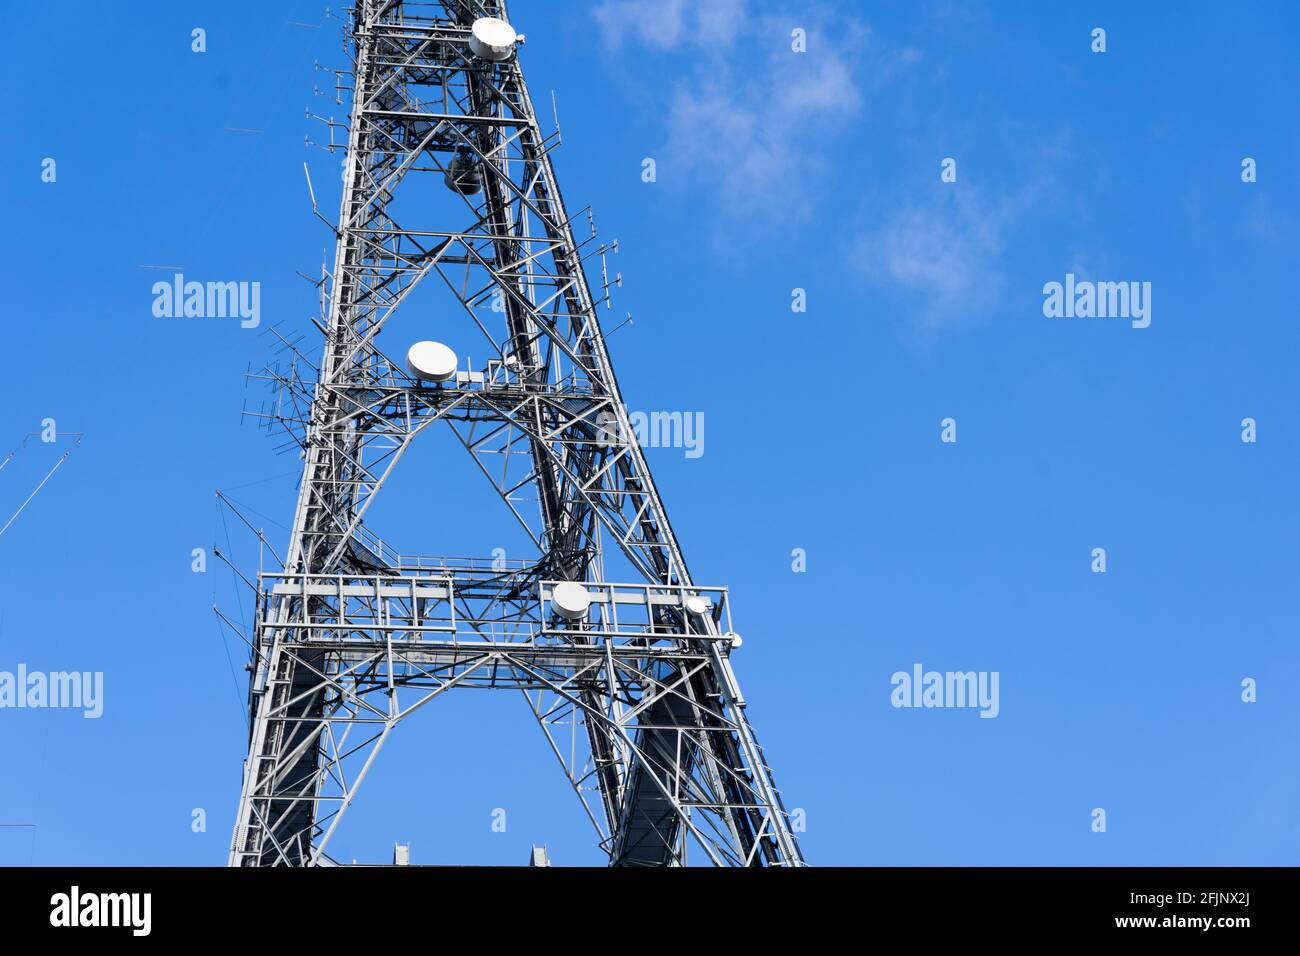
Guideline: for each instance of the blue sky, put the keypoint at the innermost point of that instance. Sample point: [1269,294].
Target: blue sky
[775,171]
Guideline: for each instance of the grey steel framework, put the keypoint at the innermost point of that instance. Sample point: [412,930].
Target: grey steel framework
[637,697]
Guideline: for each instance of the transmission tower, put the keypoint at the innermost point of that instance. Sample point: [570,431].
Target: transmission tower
[448,178]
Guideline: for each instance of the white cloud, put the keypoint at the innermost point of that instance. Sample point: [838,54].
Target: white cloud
[896,63]
[1262,222]
[718,20]
[944,246]
[668,24]
[755,128]
[749,122]
[946,252]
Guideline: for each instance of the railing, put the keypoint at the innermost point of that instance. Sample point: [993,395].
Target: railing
[467,603]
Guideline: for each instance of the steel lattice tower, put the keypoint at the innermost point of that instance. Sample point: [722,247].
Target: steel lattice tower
[632,683]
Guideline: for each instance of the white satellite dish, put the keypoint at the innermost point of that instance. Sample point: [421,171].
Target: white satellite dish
[570,600]
[491,38]
[431,361]
[697,605]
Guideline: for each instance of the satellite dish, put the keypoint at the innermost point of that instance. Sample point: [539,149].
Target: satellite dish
[491,38]
[463,175]
[431,361]
[570,600]
[697,605]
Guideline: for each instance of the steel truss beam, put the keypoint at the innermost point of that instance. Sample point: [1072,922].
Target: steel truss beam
[638,700]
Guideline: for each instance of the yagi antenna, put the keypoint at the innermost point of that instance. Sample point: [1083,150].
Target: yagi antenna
[314,208]
[311,192]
